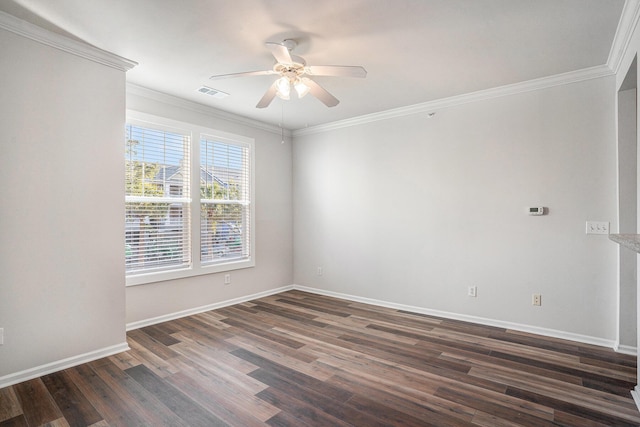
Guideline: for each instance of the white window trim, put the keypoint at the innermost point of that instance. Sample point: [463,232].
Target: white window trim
[197,268]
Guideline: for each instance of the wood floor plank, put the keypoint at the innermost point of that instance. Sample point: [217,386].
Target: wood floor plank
[154,346]
[37,404]
[264,332]
[393,373]
[213,319]
[77,410]
[299,395]
[413,333]
[285,419]
[134,396]
[205,355]
[593,377]
[204,326]
[17,421]
[582,413]
[304,359]
[60,422]
[159,365]
[315,307]
[503,411]
[484,419]
[304,413]
[160,335]
[387,415]
[360,326]
[235,380]
[476,359]
[206,339]
[233,406]
[571,420]
[589,399]
[405,355]
[188,410]
[125,360]
[426,407]
[303,318]
[9,404]
[109,404]
[260,345]
[291,374]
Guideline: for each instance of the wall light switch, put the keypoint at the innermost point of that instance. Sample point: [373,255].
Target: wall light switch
[1,336]
[597,227]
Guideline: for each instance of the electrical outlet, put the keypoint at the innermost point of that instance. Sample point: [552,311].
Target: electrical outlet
[597,227]
[472,291]
[537,299]
[319,271]
[227,279]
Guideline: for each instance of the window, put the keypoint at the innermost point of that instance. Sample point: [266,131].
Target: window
[165,238]
[224,201]
[156,230]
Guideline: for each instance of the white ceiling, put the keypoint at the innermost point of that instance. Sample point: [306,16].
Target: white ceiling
[415,51]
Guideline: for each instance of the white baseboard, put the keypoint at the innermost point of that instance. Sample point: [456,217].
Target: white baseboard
[474,319]
[626,349]
[635,393]
[202,309]
[59,365]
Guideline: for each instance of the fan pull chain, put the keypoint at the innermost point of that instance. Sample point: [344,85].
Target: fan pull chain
[282,122]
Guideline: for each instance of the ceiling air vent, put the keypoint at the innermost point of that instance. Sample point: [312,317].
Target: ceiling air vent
[213,92]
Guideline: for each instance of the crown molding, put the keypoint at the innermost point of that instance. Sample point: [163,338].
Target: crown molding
[626,25]
[428,107]
[28,30]
[203,109]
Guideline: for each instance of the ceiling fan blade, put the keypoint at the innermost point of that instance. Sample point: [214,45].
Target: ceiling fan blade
[268,96]
[319,92]
[280,52]
[337,70]
[245,74]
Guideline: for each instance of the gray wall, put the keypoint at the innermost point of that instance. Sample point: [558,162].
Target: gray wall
[627,201]
[413,210]
[61,258]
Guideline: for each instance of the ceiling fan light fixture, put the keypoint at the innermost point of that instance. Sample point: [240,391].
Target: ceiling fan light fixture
[283,86]
[301,88]
[292,71]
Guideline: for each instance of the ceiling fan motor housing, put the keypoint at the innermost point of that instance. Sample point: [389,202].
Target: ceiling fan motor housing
[290,44]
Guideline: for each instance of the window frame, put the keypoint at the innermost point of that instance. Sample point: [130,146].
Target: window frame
[196,267]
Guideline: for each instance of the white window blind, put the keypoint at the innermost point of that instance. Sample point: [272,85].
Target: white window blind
[157,199]
[225,201]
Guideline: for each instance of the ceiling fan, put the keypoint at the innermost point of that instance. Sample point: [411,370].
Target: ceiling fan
[295,74]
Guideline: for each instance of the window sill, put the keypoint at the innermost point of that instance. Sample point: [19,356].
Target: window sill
[183,273]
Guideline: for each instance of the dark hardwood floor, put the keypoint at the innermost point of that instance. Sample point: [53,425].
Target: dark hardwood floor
[299,359]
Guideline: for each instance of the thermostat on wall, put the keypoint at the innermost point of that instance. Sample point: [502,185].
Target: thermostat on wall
[536,210]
